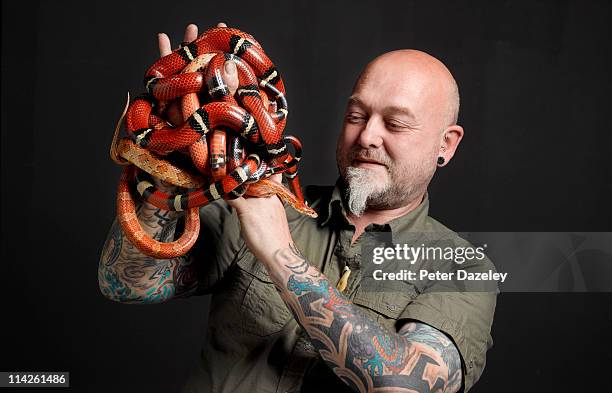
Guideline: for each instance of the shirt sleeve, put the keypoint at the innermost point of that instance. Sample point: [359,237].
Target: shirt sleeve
[466,317]
[217,246]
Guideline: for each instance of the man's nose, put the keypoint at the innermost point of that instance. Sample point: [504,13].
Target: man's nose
[371,134]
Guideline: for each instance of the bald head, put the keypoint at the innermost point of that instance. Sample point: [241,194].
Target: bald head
[423,74]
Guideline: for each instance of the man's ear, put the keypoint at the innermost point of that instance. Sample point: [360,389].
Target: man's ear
[451,137]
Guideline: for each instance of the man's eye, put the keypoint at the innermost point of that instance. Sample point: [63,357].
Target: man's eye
[355,118]
[393,125]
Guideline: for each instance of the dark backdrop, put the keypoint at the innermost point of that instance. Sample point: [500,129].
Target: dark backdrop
[535,83]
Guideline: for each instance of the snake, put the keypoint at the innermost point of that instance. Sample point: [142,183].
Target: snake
[224,149]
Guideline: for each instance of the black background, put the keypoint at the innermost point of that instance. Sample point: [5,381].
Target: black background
[535,85]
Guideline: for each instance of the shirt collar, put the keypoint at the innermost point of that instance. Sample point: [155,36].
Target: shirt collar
[334,211]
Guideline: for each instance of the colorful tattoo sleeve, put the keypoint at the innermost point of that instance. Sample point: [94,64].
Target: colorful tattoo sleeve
[127,275]
[360,351]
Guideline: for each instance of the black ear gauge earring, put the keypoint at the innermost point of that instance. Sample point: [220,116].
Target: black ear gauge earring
[440,160]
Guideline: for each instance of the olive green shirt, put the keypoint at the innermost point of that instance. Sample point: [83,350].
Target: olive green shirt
[254,344]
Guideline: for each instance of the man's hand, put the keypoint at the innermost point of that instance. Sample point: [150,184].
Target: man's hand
[264,224]
[163,41]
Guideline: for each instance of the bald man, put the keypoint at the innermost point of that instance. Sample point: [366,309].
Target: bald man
[288,311]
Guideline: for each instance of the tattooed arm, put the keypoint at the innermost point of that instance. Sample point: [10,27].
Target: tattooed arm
[429,336]
[127,275]
[360,351]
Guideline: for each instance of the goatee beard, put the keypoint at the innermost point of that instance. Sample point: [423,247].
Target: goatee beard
[360,189]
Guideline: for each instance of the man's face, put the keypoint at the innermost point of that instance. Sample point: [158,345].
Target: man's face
[391,136]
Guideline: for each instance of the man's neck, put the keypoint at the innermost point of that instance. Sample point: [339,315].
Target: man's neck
[380,217]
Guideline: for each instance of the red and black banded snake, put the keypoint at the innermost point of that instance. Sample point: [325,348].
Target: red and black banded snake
[234,142]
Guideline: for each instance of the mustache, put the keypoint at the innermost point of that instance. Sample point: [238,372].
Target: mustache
[369,155]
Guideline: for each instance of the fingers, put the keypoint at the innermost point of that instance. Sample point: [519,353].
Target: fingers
[163,41]
[230,76]
[191,33]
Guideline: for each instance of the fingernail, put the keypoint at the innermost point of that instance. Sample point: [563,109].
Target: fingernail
[229,67]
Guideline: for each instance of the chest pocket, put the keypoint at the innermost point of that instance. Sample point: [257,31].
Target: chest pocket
[262,309]
[385,307]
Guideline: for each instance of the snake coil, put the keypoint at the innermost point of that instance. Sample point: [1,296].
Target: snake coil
[189,131]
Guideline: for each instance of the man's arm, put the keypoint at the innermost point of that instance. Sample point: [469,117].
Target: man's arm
[127,275]
[438,341]
[360,351]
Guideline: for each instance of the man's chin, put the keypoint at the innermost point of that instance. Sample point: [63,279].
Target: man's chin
[363,184]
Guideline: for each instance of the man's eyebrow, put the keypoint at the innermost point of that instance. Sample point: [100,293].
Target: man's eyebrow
[393,109]
[354,100]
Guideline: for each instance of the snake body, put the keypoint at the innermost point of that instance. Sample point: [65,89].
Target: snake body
[233,145]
